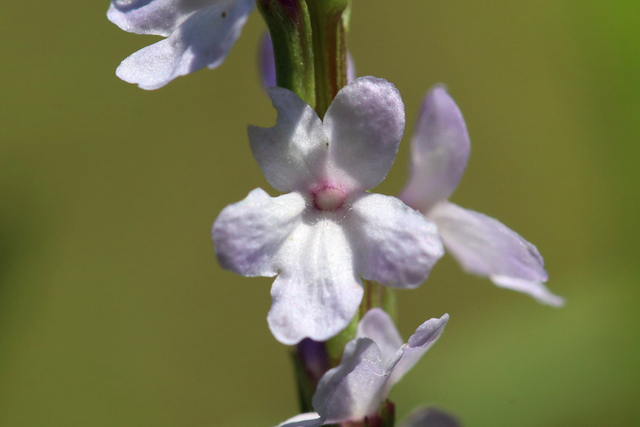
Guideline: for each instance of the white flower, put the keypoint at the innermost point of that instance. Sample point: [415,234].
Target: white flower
[199,33]
[371,365]
[327,233]
[482,245]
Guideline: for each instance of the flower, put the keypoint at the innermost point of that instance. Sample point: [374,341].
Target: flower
[371,365]
[327,232]
[198,33]
[482,245]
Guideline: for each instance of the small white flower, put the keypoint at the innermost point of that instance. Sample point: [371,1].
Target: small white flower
[199,33]
[371,365]
[328,232]
[482,245]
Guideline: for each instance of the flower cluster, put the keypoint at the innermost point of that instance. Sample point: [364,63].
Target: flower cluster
[327,238]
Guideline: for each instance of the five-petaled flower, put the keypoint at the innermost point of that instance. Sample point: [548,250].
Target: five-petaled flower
[372,363]
[327,233]
[482,245]
[199,33]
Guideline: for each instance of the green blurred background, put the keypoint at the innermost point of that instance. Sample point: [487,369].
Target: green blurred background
[114,312]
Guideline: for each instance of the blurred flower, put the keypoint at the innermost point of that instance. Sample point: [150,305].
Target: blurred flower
[482,245]
[328,231]
[267,63]
[198,33]
[372,363]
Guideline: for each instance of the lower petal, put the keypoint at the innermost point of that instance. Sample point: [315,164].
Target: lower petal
[317,291]
[397,246]
[486,247]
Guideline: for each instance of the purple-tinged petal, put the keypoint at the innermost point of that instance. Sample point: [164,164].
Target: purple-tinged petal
[429,417]
[364,124]
[267,62]
[317,292]
[293,153]
[422,339]
[486,247]
[439,151]
[377,325]
[353,389]
[394,244]
[202,40]
[308,419]
[248,234]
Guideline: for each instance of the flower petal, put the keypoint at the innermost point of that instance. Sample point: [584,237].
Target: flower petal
[203,39]
[293,153]
[395,245]
[308,419]
[423,338]
[486,247]
[377,325]
[364,124]
[429,417]
[439,151]
[317,291]
[353,389]
[248,234]
[159,17]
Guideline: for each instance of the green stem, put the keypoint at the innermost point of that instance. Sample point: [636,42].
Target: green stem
[290,28]
[329,48]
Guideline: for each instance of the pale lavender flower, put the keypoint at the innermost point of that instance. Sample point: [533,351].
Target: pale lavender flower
[328,232]
[199,33]
[371,365]
[482,245]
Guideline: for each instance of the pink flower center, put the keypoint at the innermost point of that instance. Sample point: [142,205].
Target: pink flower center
[329,198]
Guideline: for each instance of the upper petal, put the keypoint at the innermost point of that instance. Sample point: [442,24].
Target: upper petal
[293,153]
[308,419]
[439,151]
[353,389]
[377,325]
[159,17]
[203,39]
[364,124]
[395,245]
[486,247]
[422,339]
[248,234]
[429,417]
[317,291]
